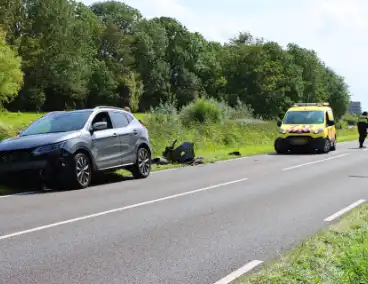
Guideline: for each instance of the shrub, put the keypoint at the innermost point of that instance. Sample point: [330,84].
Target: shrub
[162,114]
[350,119]
[201,111]
[241,110]
[4,131]
[341,124]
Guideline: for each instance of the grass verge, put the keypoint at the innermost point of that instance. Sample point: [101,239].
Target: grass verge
[338,255]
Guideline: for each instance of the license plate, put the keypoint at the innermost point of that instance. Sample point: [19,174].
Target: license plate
[299,141]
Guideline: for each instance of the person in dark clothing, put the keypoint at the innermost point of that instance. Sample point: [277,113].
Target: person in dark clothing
[362,128]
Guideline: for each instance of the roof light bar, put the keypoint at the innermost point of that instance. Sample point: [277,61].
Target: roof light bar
[312,104]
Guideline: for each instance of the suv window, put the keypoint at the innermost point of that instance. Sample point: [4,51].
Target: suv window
[103,116]
[129,117]
[119,119]
[58,122]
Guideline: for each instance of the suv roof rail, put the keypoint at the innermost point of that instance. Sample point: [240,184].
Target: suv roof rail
[112,107]
[312,104]
[56,111]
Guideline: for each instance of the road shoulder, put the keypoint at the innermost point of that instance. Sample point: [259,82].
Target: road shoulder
[332,256]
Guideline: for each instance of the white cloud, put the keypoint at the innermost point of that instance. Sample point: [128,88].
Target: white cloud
[153,8]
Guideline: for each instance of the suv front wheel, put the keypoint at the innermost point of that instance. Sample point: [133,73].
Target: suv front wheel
[82,173]
[142,166]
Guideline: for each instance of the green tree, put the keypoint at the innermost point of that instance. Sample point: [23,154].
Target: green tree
[338,93]
[11,76]
[313,73]
[75,56]
[150,51]
[12,19]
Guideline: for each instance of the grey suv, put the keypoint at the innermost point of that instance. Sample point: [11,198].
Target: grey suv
[70,146]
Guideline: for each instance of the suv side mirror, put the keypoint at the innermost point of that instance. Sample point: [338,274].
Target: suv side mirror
[101,125]
[331,123]
[279,123]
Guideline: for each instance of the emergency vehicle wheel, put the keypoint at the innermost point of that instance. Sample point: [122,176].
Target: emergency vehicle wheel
[326,146]
[333,146]
[279,147]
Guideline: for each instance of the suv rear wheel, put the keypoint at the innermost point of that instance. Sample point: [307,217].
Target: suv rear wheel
[142,167]
[82,174]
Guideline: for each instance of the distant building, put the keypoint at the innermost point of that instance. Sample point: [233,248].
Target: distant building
[355,108]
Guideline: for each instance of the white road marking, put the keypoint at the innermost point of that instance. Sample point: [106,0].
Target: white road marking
[167,170]
[241,271]
[21,193]
[207,163]
[231,160]
[316,162]
[119,209]
[343,211]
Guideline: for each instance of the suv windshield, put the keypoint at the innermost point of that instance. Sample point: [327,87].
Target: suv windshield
[304,117]
[58,122]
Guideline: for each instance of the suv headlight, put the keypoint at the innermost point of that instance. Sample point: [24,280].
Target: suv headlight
[48,148]
[282,131]
[317,131]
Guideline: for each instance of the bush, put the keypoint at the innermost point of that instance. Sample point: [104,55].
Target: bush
[241,111]
[4,131]
[341,124]
[201,111]
[350,119]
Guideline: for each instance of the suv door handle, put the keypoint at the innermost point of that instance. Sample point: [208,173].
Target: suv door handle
[114,134]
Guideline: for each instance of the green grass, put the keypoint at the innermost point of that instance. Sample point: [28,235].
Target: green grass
[15,121]
[338,255]
[344,135]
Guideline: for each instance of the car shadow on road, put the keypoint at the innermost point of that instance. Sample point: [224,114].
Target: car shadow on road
[108,178]
[30,184]
[356,176]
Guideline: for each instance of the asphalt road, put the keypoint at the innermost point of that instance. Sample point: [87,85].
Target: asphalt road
[192,225]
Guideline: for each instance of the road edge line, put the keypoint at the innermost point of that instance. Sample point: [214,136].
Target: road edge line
[17,194]
[344,210]
[239,272]
[205,164]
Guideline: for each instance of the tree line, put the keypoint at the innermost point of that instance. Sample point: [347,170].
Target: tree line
[76,56]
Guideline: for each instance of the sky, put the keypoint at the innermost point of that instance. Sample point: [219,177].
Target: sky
[336,29]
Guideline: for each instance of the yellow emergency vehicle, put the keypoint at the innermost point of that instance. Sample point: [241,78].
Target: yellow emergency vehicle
[309,126]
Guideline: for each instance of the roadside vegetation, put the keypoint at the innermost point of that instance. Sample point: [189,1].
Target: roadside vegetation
[338,255]
[214,127]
